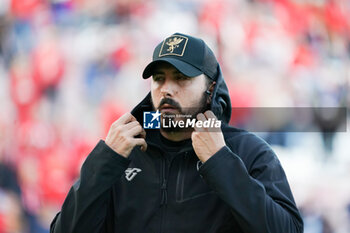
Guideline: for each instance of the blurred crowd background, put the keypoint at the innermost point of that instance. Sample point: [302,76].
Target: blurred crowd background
[69,68]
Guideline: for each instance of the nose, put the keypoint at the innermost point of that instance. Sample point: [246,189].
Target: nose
[168,88]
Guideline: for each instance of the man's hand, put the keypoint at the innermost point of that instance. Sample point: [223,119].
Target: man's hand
[121,136]
[205,142]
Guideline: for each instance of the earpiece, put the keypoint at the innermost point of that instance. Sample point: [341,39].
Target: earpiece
[208,92]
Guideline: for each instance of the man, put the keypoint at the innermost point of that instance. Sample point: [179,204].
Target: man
[202,179]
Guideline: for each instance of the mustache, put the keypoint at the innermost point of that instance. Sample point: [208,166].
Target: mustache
[170,102]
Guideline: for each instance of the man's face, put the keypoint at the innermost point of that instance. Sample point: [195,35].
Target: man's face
[174,93]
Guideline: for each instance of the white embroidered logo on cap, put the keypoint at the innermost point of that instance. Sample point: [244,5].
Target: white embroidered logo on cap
[174,45]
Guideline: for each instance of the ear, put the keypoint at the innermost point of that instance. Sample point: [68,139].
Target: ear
[210,92]
[211,88]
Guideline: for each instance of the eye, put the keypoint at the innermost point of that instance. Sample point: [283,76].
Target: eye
[182,77]
[158,78]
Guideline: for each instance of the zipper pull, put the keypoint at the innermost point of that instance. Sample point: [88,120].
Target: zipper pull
[164,200]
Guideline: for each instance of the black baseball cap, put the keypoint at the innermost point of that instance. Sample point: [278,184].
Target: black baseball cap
[190,55]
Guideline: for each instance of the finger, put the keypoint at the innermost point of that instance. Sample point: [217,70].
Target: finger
[126,118]
[201,117]
[143,133]
[140,142]
[199,129]
[209,114]
[131,119]
[193,135]
[216,128]
[130,125]
[136,130]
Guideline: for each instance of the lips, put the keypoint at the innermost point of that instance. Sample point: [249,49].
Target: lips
[168,107]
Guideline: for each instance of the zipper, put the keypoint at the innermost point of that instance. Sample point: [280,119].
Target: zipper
[163,187]
[164,199]
[164,193]
[181,178]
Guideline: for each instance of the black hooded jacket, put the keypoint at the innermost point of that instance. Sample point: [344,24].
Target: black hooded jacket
[241,188]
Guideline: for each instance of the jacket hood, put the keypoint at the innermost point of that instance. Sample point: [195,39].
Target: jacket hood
[220,104]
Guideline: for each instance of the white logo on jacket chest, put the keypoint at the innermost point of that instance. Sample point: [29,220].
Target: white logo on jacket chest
[130,173]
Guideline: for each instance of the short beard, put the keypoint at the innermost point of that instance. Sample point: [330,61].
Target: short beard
[191,113]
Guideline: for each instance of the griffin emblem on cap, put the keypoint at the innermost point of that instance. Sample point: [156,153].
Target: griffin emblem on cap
[174,45]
